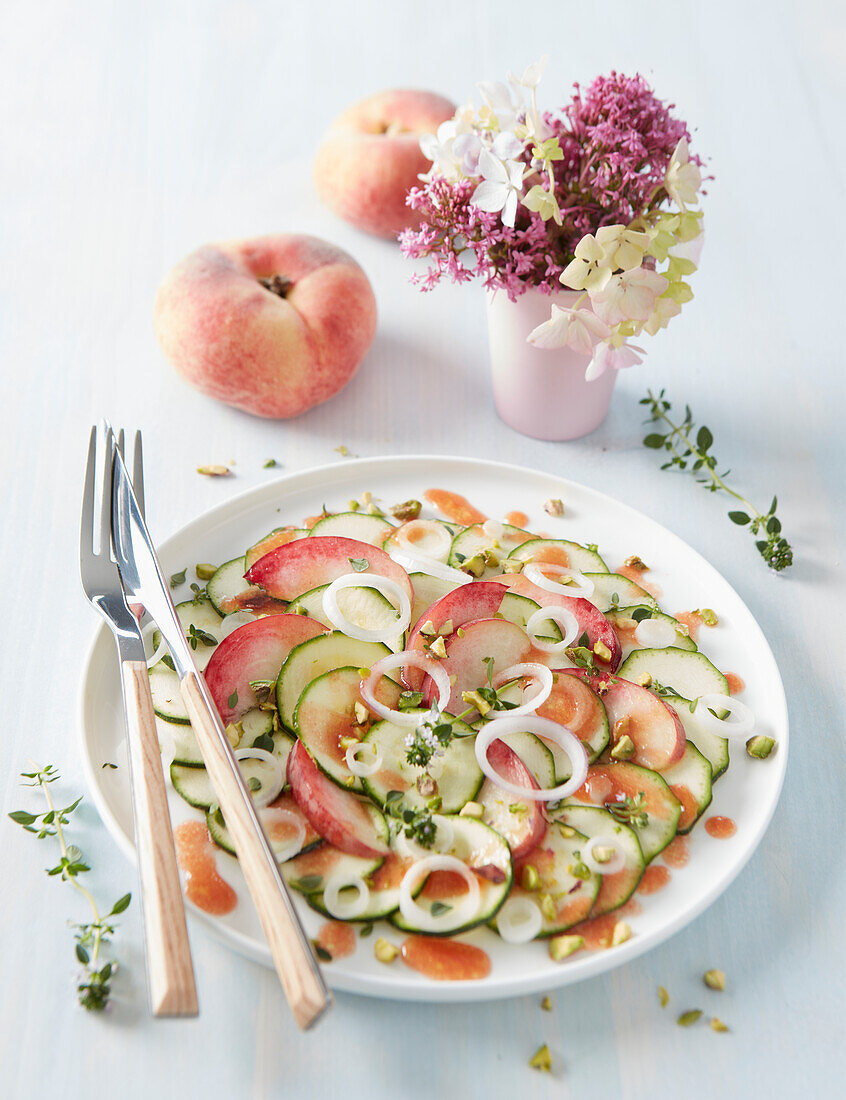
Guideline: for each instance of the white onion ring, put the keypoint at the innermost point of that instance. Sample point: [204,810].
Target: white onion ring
[346,910]
[233,621]
[616,863]
[362,767]
[519,920]
[397,660]
[273,815]
[582,585]
[444,837]
[655,633]
[739,722]
[388,588]
[160,650]
[403,542]
[561,617]
[547,730]
[459,914]
[418,563]
[493,528]
[271,790]
[542,674]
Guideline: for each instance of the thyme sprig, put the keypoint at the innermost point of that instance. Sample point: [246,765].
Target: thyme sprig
[687,451]
[94,985]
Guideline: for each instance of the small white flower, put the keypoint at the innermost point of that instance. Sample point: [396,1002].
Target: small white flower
[501,186]
[683,179]
[623,247]
[501,105]
[607,357]
[578,329]
[629,296]
[589,270]
[467,148]
[438,148]
[531,75]
[507,146]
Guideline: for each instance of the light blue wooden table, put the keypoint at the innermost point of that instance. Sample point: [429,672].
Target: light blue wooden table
[132,133]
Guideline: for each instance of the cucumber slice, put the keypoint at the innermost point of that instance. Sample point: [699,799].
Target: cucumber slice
[325,713]
[607,586]
[690,782]
[625,625]
[256,724]
[687,673]
[354,525]
[383,883]
[309,871]
[473,540]
[713,747]
[221,836]
[365,607]
[227,583]
[194,786]
[167,698]
[480,847]
[561,552]
[519,609]
[616,889]
[535,754]
[427,590]
[428,538]
[564,899]
[459,776]
[312,658]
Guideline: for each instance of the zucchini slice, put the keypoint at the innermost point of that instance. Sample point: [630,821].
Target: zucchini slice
[607,586]
[560,552]
[309,871]
[690,782]
[257,726]
[167,698]
[427,590]
[473,540]
[616,889]
[278,833]
[687,673]
[360,526]
[624,623]
[366,607]
[714,748]
[519,609]
[227,583]
[383,883]
[194,786]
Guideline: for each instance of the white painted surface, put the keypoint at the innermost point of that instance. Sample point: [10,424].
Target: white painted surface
[132,134]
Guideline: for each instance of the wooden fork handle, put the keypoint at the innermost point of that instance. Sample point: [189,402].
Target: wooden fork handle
[291,951]
[170,975]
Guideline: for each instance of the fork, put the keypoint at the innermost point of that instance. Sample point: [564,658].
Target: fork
[170,976]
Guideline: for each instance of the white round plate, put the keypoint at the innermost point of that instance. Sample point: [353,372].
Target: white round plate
[748,792]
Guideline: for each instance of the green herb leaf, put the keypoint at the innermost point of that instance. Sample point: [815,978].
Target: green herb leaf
[439,908]
[271,464]
[178,578]
[232,701]
[22,817]
[263,741]
[121,905]
[254,783]
[740,518]
[308,883]
[359,564]
[321,952]
[654,441]
[704,439]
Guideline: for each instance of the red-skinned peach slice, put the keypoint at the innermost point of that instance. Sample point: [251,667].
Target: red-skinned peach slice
[480,600]
[525,829]
[255,651]
[341,818]
[467,653]
[590,620]
[299,566]
[633,711]
[573,704]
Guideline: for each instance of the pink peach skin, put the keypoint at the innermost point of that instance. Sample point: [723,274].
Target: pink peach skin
[274,353]
[371,158]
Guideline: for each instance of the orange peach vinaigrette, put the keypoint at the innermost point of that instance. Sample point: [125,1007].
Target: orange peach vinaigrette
[597,931]
[454,507]
[692,620]
[655,878]
[636,575]
[735,683]
[677,852]
[689,805]
[336,938]
[203,885]
[445,960]
[516,519]
[720,828]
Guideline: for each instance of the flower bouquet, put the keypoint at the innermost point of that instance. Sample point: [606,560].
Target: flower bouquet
[582,225]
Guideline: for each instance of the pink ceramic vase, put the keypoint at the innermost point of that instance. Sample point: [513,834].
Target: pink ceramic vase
[541,393]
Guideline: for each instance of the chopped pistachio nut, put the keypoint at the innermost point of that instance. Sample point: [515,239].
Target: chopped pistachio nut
[300,610]
[663,996]
[513,565]
[602,651]
[714,979]
[634,562]
[474,699]
[689,1017]
[759,747]
[626,624]
[717,1024]
[214,471]
[708,617]
[446,628]
[428,628]
[426,786]
[621,933]
[604,854]
[529,877]
[564,945]
[348,741]
[471,809]
[384,950]
[361,713]
[546,1004]
[364,673]
[374,510]
[553,507]
[624,749]
[437,647]
[645,680]
[409,509]
[518,808]
[353,505]
[234,733]
[683,629]
[567,831]
[475,565]
[204,571]
[342,450]
[491,560]
[542,1059]
[548,907]
[579,870]
[366,497]
[461,632]
[350,781]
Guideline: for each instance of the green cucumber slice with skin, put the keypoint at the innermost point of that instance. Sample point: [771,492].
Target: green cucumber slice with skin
[201,614]
[312,658]
[325,713]
[607,784]
[626,615]
[167,698]
[227,583]
[616,889]
[365,607]
[256,724]
[536,755]
[473,540]
[459,776]
[683,672]
[194,786]
[608,585]
[714,748]
[220,834]
[689,779]
[427,590]
[354,525]
[578,556]
[164,683]
[429,545]
[572,897]
[519,609]
[478,846]
[383,883]
[309,871]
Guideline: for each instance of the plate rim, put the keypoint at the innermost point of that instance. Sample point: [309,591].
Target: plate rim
[453,992]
